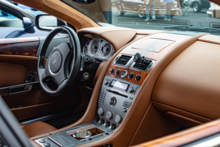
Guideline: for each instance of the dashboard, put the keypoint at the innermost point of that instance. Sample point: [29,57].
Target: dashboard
[149,88]
[98,48]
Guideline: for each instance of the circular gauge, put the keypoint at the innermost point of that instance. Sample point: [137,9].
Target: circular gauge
[85,49]
[94,47]
[106,50]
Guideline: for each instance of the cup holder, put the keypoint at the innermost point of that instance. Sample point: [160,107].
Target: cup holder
[95,131]
[86,133]
[81,134]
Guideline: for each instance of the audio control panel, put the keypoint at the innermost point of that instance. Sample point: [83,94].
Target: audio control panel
[115,98]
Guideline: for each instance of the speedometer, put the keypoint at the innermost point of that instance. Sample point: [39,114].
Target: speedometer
[106,50]
[94,47]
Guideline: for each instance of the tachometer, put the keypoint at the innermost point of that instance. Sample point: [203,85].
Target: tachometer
[94,47]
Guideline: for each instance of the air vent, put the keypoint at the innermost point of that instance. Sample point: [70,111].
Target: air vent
[123,60]
[31,77]
[142,65]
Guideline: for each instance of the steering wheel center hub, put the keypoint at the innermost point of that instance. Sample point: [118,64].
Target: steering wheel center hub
[55,62]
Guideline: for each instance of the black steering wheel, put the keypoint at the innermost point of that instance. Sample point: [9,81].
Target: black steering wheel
[63,63]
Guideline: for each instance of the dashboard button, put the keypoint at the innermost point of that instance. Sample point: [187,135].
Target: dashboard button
[124,73]
[117,72]
[112,70]
[131,98]
[42,141]
[102,121]
[132,90]
[107,124]
[47,145]
[125,110]
[106,82]
[113,126]
[131,75]
[138,77]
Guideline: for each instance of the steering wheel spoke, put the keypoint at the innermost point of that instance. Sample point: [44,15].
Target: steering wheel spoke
[59,77]
[42,74]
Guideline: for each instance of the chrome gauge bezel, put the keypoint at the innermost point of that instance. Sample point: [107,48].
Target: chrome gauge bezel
[84,49]
[111,50]
[90,47]
[86,45]
[99,55]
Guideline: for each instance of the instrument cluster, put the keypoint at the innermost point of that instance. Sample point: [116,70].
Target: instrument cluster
[99,49]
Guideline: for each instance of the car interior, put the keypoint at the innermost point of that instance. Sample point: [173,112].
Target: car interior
[111,86]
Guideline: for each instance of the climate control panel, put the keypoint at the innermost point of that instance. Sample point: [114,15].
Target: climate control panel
[115,99]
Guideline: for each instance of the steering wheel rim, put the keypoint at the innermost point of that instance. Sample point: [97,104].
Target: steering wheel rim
[56,66]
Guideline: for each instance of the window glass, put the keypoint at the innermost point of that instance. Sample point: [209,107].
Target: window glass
[9,20]
[182,15]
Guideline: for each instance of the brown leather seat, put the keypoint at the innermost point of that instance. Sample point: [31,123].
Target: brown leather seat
[37,128]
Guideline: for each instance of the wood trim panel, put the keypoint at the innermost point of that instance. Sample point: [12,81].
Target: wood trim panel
[19,46]
[186,136]
[167,43]
[136,72]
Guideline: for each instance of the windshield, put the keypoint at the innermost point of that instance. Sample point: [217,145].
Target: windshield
[152,14]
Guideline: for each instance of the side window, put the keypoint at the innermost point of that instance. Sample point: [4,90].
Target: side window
[8,20]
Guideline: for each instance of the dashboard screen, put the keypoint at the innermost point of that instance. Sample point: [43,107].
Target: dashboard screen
[119,85]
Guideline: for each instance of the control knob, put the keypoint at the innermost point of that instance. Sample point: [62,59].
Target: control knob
[113,126]
[118,118]
[112,70]
[102,121]
[106,82]
[117,72]
[100,111]
[124,73]
[109,115]
[131,75]
[138,77]
[132,90]
[107,124]
[113,101]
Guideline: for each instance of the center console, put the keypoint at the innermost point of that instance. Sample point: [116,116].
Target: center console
[115,98]
[119,88]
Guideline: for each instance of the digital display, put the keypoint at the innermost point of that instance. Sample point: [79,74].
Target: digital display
[119,85]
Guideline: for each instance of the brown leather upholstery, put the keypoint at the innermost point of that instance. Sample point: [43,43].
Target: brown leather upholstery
[37,128]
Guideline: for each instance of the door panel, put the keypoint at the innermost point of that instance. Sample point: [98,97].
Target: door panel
[17,59]
[38,103]
[8,76]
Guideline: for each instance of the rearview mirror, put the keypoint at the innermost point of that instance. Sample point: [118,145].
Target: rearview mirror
[48,22]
